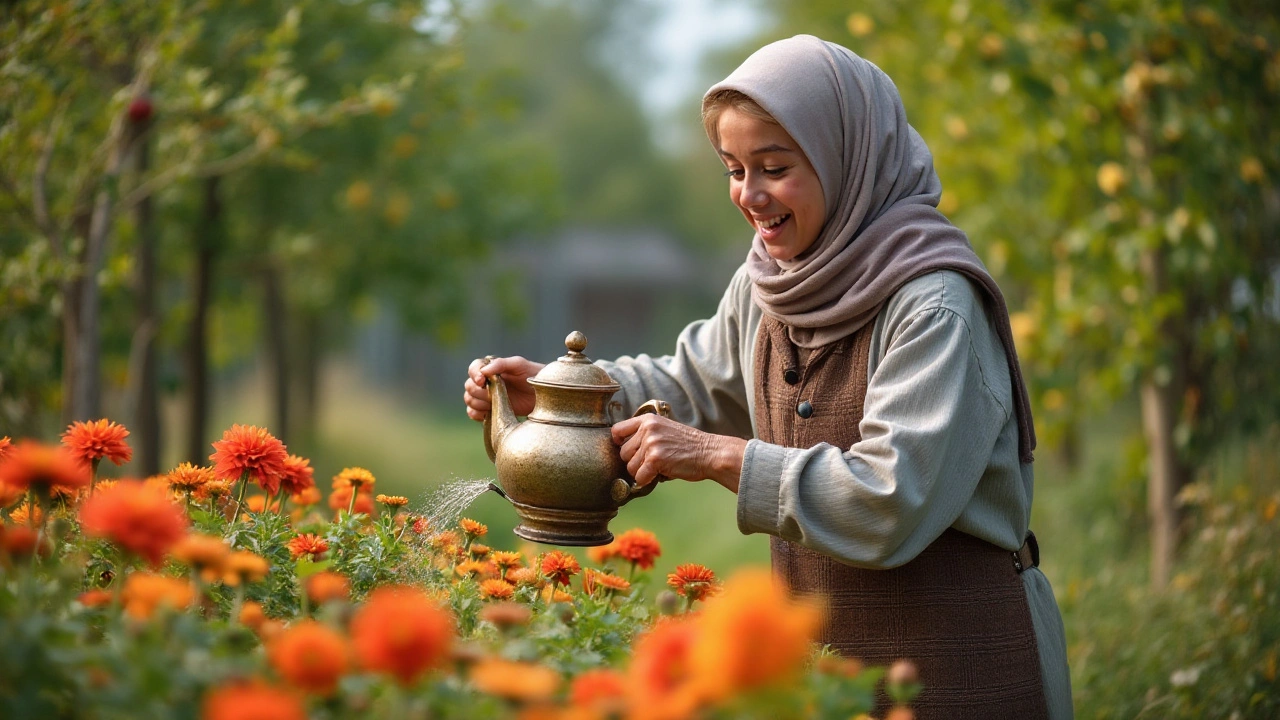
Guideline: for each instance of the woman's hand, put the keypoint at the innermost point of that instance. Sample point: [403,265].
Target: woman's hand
[653,445]
[516,371]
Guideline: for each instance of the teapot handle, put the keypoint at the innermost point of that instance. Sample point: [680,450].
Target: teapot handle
[488,418]
[624,489]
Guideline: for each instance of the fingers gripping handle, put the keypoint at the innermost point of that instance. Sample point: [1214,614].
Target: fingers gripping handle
[625,489]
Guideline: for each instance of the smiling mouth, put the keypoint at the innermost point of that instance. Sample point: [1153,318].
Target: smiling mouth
[767,225]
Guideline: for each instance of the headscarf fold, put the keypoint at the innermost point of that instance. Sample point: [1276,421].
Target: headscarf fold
[883,227]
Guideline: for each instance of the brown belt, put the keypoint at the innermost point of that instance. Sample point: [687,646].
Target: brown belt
[1027,556]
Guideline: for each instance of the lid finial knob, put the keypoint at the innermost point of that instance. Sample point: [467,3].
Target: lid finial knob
[576,342]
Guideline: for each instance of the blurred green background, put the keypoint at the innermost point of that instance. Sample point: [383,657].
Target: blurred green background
[311,215]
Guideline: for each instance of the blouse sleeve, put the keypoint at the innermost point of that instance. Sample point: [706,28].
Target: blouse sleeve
[930,423]
[703,379]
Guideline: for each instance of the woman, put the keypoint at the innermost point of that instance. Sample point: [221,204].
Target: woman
[866,353]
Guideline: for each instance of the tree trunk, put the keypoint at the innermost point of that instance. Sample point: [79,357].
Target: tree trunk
[208,238]
[277,348]
[1163,479]
[307,390]
[146,421]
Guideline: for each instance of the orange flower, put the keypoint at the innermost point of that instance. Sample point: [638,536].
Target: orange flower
[495,589]
[144,593]
[695,582]
[310,657]
[298,475]
[393,501]
[602,554]
[94,440]
[552,594]
[310,496]
[309,544]
[30,464]
[506,560]
[752,635]
[658,682]
[252,615]
[506,614]
[27,514]
[258,503]
[10,494]
[524,576]
[95,598]
[254,700]
[520,681]
[477,550]
[243,566]
[340,499]
[20,541]
[639,547]
[5,444]
[602,690]
[354,477]
[443,539]
[472,529]
[559,566]
[475,569]
[401,631]
[325,586]
[253,450]
[203,553]
[612,584]
[212,490]
[188,478]
[140,519]
[421,525]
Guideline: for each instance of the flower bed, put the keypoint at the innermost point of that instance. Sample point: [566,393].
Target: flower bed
[234,592]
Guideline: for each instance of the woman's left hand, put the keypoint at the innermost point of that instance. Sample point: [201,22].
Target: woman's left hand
[653,445]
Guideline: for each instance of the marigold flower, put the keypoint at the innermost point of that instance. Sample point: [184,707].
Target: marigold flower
[139,519]
[252,615]
[695,582]
[659,685]
[495,589]
[325,586]
[602,554]
[91,441]
[9,494]
[612,584]
[5,444]
[602,690]
[310,656]
[520,681]
[144,593]
[506,615]
[254,700]
[308,544]
[354,477]
[31,465]
[401,631]
[559,566]
[27,514]
[188,478]
[243,566]
[475,569]
[506,560]
[752,635]
[203,553]
[552,594]
[307,497]
[258,503]
[340,499]
[393,501]
[253,450]
[524,576]
[212,490]
[478,550]
[20,541]
[639,547]
[95,598]
[297,475]
[443,539]
[472,529]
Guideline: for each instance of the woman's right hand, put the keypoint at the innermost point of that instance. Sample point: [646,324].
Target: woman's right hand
[515,371]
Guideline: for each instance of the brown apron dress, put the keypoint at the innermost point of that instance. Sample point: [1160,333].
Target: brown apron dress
[958,610]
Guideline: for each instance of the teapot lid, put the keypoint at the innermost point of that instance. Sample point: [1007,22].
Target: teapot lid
[575,370]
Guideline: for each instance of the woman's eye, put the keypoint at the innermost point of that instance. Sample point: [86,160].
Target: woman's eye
[774,172]
[732,173]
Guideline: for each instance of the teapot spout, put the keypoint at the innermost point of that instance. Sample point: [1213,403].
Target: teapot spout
[501,418]
[494,487]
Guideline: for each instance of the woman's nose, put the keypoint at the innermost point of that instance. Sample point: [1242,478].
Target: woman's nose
[753,195]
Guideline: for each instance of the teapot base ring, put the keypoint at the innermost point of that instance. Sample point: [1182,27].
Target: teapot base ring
[574,528]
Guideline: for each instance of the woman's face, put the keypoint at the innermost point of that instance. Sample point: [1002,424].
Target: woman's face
[772,183]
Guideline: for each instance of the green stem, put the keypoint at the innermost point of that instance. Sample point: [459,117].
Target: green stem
[244,485]
[351,506]
[93,474]
[237,604]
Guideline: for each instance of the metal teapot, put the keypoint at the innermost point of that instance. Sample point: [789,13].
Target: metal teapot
[560,468]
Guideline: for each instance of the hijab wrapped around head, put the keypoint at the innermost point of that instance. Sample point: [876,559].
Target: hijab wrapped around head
[882,227]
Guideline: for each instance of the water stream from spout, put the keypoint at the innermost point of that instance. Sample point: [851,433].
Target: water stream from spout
[444,504]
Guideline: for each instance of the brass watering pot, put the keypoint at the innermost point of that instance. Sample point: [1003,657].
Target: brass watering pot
[560,468]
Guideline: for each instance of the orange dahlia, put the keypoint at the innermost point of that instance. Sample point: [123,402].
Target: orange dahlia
[639,547]
[393,501]
[91,441]
[403,632]
[308,544]
[307,497]
[310,656]
[188,478]
[519,681]
[602,690]
[495,589]
[144,593]
[325,586]
[27,514]
[472,529]
[354,477]
[559,566]
[659,685]
[506,561]
[253,700]
[695,582]
[752,635]
[31,465]
[475,569]
[243,566]
[524,576]
[252,450]
[611,584]
[298,475]
[214,490]
[138,518]
[204,554]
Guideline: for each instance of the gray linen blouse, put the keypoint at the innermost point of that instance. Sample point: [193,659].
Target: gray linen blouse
[939,442]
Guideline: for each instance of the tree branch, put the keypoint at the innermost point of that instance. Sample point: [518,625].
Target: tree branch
[39,184]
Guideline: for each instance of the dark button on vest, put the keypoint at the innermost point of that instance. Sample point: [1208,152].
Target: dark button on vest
[791,376]
[804,409]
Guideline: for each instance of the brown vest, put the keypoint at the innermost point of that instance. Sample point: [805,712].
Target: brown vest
[958,610]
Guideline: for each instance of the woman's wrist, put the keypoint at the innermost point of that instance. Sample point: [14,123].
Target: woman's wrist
[726,461]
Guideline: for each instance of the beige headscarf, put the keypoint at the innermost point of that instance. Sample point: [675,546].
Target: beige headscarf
[883,227]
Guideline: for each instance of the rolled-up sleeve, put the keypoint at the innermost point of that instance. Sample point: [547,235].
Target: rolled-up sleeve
[929,424]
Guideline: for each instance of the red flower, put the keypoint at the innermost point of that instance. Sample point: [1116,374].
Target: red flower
[640,547]
[248,449]
[5,444]
[309,544]
[139,518]
[310,656]
[94,440]
[298,475]
[254,700]
[30,464]
[559,566]
[602,689]
[695,582]
[401,631]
